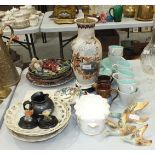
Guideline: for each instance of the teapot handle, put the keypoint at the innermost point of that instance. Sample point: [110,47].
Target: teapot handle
[12,34]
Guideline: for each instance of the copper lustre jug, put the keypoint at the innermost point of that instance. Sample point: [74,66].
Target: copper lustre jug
[8,73]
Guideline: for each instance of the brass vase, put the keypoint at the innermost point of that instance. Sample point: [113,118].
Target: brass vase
[129,10]
[8,73]
[4,92]
[144,12]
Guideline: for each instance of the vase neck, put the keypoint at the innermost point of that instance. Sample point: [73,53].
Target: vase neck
[86,33]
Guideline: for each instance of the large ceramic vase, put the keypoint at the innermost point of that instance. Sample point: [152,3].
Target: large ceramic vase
[87,52]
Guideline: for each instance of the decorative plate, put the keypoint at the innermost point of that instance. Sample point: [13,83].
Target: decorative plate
[68,94]
[51,83]
[33,139]
[43,137]
[49,69]
[15,112]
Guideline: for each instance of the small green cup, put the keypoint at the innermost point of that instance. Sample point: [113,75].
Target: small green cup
[117,13]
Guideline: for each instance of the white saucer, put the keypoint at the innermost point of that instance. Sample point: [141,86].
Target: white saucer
[83,86]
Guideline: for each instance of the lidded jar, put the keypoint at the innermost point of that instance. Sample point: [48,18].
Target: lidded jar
[87,52]
[91,111]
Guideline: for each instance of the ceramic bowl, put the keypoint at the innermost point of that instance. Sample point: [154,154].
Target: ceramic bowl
[92,111]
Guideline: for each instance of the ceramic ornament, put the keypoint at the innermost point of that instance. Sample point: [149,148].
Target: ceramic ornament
[137,137]
[129,115]
[118,129]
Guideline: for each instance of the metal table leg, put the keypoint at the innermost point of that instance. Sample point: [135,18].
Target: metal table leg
[66,41]
[33,47]
[61,45]
[44,37]
[28,45]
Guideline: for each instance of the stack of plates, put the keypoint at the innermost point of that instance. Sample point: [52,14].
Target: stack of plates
[14,113]
[47,79]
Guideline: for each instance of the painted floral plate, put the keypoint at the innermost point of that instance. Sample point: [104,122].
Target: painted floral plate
[49,68]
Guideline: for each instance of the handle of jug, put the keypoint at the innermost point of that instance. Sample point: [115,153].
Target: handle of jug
[12,34]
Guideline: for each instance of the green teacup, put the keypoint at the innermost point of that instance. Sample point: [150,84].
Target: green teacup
[117,12]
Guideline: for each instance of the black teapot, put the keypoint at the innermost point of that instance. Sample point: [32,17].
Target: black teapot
[41,102]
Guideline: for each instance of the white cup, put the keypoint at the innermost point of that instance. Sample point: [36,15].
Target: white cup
[127,98]
[127,85]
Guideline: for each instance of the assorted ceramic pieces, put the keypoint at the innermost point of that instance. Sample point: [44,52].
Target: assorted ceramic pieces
[68,94]
[21,18]
[49,72]
[47,127]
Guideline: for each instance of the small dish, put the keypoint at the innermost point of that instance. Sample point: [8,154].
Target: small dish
[68,94]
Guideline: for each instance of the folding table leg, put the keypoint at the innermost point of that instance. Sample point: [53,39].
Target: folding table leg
[33,47]
[61,45]
[28,45]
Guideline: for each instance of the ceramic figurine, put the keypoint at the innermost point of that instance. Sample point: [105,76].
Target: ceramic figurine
[47,121]
[118,129]
[37,64]
[87,52]
[129,116]
[137,137]
[28,121]
[137,106]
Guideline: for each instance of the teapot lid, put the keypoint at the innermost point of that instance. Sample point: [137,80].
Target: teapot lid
[39,97]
